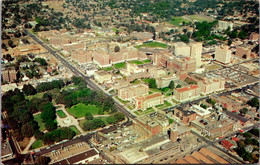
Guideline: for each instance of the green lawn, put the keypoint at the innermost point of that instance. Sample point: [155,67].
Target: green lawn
[146,61]
[108,68]
[201,18]
[38,95]
[152,44]
[120,65]
[37,144]
[80,110]
[170,121]
[155,90]
[61,113]
[130,107]
[122,101]
[71,86]
[74,128]
[163,106]
[146,112]
[39,121]
[177,21]
[136,62]
[135,82]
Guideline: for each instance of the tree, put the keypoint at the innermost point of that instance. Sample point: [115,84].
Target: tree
[152,83]
[111,120]
[88,125]
[203,106]
[89,116]
[50,125]
[244,110]
[27,130]
[229,42]
[178,86]
[117,49]
[10,43]
[247,135]
[171,85]
[28,90]
[48,112]
[117,31]
[119,116]
[43,160]
[254,102]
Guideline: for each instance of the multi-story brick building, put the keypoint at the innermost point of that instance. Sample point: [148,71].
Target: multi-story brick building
[186,116]
[132,91]
[243,52]
[147,126]
[211,85]
[82,56]
[254,37]
[187,92]
[145,102]
[223,54]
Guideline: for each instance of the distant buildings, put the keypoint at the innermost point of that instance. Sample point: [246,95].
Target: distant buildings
[145,102]
[223,54]
[223,25]
[132,91]
[254,37]
[8,74]
[243,52]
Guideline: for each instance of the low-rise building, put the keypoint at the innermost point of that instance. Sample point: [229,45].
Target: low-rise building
[187,92]
[132,91]
[8,74]
[186,116]
[145,102]
[102,76]
[223,25]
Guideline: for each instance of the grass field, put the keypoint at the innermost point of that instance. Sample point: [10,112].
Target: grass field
[39,121]
[38,95]
[108,68]
[74,128]
[146,112]
[163,106]
[61,113]
[135,82]
[177,21]
[37,144]
[201,18]
[122,101]
[136,62]
[120,65]
[80,110]
[152,44]
[146,61]
[71,86]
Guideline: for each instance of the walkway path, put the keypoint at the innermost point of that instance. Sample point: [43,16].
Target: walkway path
[73,120]
[32,140]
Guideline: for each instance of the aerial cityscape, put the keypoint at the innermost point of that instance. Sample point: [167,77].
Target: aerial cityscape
[130,82]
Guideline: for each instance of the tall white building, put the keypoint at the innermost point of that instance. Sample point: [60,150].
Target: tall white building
[223,25]
[223,54]
[180,48]
[196,50]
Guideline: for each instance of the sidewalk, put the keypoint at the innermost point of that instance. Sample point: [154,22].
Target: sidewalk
[32,140]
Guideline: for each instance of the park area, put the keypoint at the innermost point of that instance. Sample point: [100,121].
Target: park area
[146,112]
[177,21]
[80,110]
[139,62]
[38,119]
[153,45]
[61,114]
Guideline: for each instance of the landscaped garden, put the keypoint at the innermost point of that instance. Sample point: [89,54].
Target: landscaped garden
[74,129]
[38,119]
[61,113]
[119,65]
[146,112]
